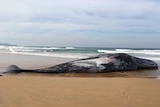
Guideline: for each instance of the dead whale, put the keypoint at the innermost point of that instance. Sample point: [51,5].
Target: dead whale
[97,64]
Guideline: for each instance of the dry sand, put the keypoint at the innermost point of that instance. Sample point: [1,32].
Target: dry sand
[44,91]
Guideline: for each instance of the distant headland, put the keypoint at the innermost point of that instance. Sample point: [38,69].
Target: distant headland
[7,44]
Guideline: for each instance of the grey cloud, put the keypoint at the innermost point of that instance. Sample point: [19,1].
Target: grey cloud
[29,18]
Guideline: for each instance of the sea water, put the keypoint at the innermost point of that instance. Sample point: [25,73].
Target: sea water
[84,52]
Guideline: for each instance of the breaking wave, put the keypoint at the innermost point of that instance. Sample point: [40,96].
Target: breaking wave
[132,51]
[77,52]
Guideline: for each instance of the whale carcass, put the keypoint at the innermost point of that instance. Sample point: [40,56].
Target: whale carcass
[97,64]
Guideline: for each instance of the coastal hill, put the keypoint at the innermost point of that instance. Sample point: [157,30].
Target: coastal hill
[7,44]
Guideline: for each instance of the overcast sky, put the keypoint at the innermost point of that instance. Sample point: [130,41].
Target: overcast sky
[96,23]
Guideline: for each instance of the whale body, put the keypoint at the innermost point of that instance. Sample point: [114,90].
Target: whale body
[96,64]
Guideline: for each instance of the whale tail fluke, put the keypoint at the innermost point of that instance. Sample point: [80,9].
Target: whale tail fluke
[12,69]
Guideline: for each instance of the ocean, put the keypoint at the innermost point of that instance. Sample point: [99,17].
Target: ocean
[84,52]
[80,52]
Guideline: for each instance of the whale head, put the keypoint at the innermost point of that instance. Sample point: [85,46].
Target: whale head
[139,63]
[125,62]
[146,64]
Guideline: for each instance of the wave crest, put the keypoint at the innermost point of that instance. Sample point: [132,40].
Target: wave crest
[131,51]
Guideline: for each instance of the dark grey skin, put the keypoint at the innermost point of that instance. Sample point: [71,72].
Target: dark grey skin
[98,64]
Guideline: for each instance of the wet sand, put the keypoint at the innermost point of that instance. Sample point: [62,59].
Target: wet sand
[29,61]
[72,90]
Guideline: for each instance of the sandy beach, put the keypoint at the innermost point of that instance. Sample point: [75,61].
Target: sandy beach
[79,53]
[73,90]
[31,91]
